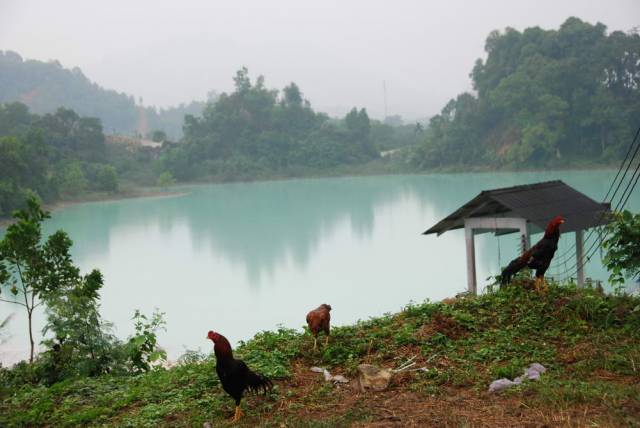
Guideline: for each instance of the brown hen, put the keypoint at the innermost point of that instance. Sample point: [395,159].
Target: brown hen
[318,320]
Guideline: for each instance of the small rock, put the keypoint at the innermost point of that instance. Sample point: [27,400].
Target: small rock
[534,371]
[327,375]
[501,385]
[340,379]
[206,425]
[372,377]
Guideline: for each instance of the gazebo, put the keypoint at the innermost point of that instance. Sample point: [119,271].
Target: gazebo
[525,209]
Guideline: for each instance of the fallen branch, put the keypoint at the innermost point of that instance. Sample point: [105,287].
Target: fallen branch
[404,368]
[432,357]
[406,364]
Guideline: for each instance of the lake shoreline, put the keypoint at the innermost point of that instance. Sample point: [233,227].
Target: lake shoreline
[354,174]
[133,194]
[146,192]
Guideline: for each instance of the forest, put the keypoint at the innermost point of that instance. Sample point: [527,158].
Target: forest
[542,98]
[251,133]
[52,156]
[253,130]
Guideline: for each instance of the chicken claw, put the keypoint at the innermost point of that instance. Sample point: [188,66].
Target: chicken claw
[537,284]
[237,415]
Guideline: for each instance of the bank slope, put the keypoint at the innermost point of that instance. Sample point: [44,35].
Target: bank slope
[590,343]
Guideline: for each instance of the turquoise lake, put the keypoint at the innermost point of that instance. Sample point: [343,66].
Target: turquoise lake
[241,258]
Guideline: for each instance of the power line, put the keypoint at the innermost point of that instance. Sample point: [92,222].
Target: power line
[634,186]
[572,248]
[621,204]
[384,89]
[589,253]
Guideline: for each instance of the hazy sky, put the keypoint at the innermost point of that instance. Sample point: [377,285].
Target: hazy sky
[339,52]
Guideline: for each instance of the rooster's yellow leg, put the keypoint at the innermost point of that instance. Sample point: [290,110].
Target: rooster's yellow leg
[238,415]
[326,341]
[315,343]
[537,284]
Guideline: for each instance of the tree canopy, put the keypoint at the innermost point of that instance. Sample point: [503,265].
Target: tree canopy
[255,129]
[57,154]
[543,98]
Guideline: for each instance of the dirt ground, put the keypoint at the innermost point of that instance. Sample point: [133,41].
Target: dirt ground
[398,406]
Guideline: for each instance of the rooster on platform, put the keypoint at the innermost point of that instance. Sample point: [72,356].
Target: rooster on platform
[234,374]
[537,257]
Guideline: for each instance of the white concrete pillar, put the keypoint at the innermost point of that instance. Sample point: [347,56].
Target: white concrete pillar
[471,260]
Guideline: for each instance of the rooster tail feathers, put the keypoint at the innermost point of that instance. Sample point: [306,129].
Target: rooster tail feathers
[258,383]
[515,266]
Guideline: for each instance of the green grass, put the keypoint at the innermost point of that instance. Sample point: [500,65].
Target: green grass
[589,342]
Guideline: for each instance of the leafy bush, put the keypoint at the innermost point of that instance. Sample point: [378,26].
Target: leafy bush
[165,179]
[622,246]
[142,348]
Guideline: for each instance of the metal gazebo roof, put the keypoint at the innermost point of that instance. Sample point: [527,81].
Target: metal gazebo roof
[537,203]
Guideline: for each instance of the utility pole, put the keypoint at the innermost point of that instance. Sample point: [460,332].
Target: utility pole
[384,89]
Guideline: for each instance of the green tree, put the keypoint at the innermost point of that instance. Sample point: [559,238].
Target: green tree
[158,136]
[14,119]
[142,347]
[107,178]
[544,97]
[81,344]
[23,168]
[292,95]
[622,246]
[71,179]
[32,269]
[242,80]
[166,179]
[358,122]
[252,132]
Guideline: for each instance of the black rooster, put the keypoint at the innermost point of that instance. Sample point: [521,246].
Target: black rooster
[537,257]
[234,374]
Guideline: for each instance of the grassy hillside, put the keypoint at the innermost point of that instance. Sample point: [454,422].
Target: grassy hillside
[589,342]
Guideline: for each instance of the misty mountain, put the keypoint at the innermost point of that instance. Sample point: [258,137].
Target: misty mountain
[45,86]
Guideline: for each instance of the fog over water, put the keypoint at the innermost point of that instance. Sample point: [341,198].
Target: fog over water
[338,52]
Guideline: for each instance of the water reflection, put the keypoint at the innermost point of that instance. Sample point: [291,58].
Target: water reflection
[263,225]
[258,226]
